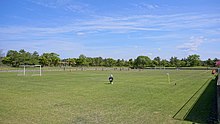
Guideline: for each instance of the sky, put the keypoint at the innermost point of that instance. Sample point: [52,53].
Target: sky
[119,29]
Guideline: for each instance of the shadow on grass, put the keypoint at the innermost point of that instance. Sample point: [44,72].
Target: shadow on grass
[205,108]
[107,83]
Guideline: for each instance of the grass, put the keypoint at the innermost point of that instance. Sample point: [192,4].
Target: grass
[86,97]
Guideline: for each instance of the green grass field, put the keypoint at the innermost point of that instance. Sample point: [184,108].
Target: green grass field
[85,97]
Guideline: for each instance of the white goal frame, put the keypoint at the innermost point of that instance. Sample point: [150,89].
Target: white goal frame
[25,66]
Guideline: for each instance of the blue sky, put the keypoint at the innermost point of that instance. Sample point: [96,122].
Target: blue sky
[112,28]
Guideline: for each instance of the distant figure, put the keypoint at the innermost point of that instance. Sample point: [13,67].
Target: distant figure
[110,79]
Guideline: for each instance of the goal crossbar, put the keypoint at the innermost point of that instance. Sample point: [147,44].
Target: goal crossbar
[31,66]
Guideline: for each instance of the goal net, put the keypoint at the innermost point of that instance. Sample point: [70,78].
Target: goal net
[29,70]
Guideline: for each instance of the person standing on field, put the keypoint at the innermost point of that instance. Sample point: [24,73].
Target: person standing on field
[110,79]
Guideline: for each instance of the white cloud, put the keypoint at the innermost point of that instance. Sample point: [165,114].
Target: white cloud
[67,5]
[140,27]
[80,33]
[192,45]
[215,40]
[145,6]
[151,6]
[122,24]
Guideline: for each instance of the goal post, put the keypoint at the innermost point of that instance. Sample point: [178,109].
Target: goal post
[33,70]
[40,72]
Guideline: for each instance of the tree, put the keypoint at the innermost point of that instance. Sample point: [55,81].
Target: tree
[164,63]
[130,63]
[1,56]
[157,61]
[49,59]
[34,58]
[193,60]
[55,59]
[142,62]
[120,62]
[24,57]
[98,61]
[12,58]
[90,61]
[210,62]
[7,61]
[43,60]
[71,61]
[81,61]
[174,62]
[109,62]
[182,63]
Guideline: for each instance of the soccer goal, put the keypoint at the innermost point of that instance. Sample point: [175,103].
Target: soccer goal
[29,70]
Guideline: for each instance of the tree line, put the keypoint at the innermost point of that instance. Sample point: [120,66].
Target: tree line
[15,58]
